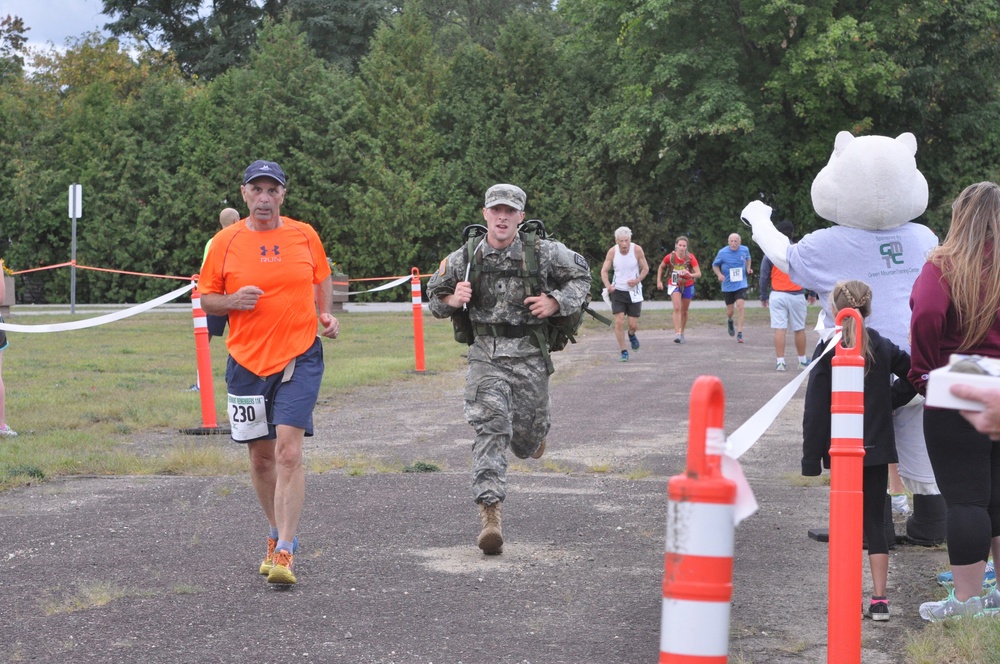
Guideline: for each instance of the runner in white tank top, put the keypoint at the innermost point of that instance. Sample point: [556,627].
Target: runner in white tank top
[626,267]
[625,292]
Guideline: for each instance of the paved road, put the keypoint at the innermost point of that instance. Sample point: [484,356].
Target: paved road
[163,569]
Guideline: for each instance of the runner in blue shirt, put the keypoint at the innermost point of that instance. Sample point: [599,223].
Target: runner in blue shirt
[731,266]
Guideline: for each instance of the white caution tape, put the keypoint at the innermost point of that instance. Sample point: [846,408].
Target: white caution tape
[750,431]
[391,284]
[99,320]
[746,502]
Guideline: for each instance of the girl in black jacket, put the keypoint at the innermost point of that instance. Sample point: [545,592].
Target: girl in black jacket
[884,361]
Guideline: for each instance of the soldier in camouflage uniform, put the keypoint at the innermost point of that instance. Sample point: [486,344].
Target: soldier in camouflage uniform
[507,383]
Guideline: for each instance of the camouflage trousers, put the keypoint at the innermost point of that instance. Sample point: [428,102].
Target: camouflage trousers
[507,403]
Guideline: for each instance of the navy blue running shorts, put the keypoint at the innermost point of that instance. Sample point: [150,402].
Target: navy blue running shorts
[288,402]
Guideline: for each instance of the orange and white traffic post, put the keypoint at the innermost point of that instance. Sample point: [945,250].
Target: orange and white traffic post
[698,563]
[418,320]
[206,387]
[847,451]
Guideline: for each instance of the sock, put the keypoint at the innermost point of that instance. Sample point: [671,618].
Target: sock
[274,533]
[284,546]
[779,360]
[803,358]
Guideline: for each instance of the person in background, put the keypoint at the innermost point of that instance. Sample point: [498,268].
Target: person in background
[955,306]
[5,431]
[625,290]
[271,276]
[731,266]
[786,302]
[216,325]
[683,267]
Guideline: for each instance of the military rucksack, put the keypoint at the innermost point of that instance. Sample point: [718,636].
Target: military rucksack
[553,333]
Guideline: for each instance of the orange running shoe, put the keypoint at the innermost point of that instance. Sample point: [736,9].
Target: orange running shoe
[265,567]
[281,572]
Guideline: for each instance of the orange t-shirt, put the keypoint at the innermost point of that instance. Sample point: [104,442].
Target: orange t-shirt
[782,282]
[286,263]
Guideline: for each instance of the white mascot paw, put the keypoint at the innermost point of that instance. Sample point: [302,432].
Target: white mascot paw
[772,241]
[755,212]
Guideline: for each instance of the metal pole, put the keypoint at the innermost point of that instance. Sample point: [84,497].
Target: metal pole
[75,211]
[72,272]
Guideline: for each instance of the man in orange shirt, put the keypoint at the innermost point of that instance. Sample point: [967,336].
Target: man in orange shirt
[270,275]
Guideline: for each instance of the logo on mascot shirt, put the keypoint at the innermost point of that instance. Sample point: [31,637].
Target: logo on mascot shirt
[892,252]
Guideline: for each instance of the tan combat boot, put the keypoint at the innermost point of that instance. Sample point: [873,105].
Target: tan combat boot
[491,538]
[540,451]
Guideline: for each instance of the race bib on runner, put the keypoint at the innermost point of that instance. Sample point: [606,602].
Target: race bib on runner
[247,417]
[736,274]
[635,294]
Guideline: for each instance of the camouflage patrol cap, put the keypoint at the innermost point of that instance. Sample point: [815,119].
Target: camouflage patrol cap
[505,194]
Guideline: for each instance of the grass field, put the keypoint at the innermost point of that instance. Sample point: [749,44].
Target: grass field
[75,397]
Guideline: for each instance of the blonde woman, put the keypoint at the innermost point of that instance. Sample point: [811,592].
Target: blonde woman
[955,303]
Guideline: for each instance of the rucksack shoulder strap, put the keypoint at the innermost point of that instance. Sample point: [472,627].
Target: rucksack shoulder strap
[532,275]
[473,235]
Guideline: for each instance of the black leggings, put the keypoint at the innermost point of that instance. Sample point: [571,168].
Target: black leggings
[967,469]
[875,480]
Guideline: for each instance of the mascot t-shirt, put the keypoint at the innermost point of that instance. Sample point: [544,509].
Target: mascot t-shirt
[894,258]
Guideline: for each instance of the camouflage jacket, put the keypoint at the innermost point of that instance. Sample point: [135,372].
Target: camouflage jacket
[564,274]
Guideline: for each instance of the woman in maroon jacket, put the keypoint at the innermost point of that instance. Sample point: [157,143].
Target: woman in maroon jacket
[955,303]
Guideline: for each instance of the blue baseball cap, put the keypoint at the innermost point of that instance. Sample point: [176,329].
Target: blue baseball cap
[264,169]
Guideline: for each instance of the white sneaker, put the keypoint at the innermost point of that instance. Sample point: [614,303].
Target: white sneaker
[951,608]
[803,365]
[991,602]
[780,366]
[7,431]
[900,504]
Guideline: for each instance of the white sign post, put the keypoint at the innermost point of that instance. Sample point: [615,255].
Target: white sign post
[75,211]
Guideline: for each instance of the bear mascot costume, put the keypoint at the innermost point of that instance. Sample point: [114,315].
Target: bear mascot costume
[871,189]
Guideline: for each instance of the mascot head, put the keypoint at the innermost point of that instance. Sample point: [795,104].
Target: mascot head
[871,182]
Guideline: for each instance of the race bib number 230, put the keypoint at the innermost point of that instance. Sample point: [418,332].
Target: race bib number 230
[247,417]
